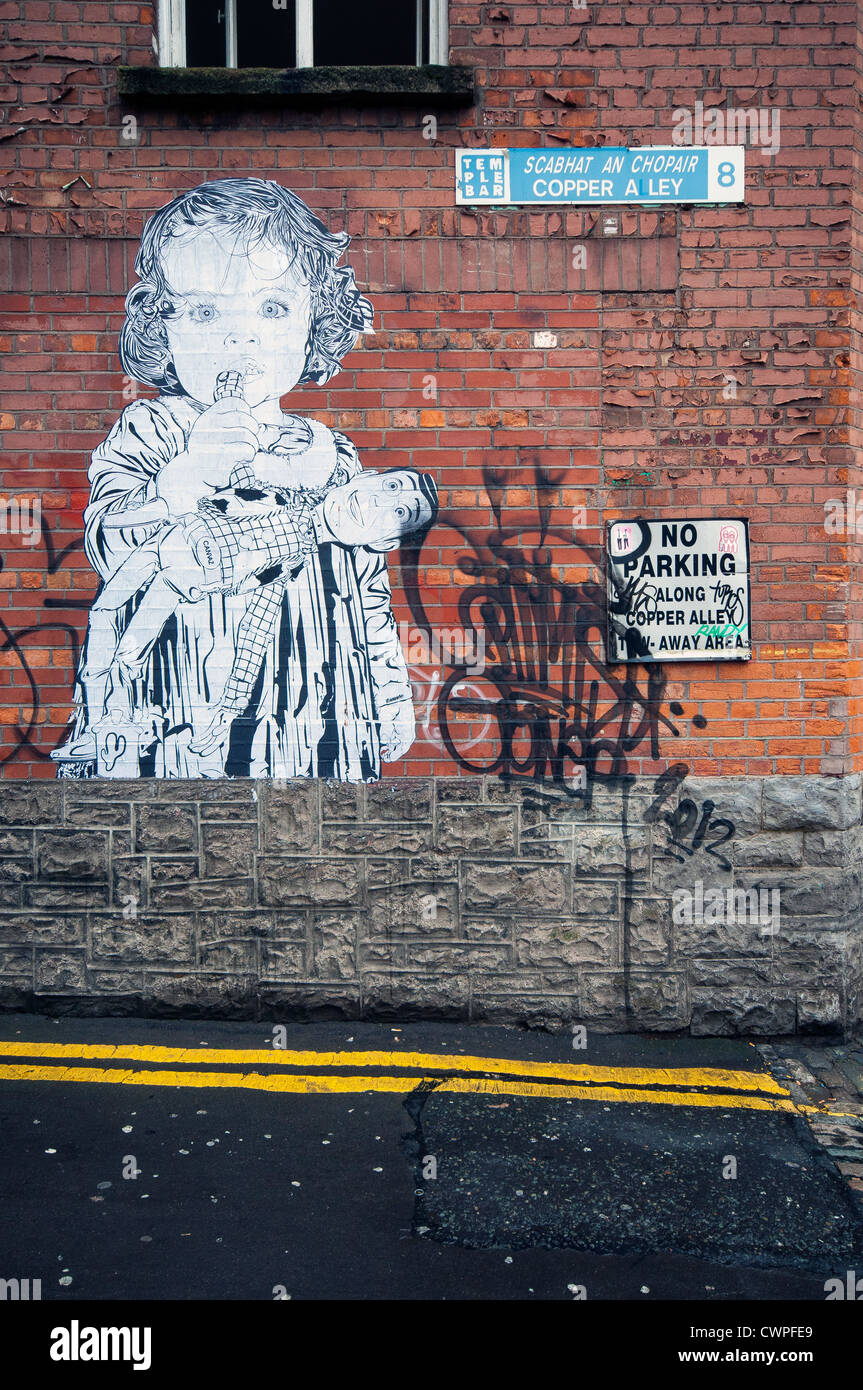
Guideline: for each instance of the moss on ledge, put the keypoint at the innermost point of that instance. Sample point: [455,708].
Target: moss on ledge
[430,85]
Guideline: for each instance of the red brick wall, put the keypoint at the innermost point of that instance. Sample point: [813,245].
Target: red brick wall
[626,412]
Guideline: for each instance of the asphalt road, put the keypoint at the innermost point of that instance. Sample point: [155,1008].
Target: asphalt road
[260,1194]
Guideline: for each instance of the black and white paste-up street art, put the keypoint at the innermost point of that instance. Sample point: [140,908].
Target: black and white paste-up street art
[244,624]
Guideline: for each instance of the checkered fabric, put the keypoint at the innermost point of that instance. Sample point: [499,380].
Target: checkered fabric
[217,541]
[253,634]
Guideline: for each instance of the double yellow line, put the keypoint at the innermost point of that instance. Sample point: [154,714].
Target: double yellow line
[396,1072]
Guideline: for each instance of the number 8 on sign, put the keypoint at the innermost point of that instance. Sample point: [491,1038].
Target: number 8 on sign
[725,179]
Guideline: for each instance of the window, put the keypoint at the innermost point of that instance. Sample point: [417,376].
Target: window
[302,33]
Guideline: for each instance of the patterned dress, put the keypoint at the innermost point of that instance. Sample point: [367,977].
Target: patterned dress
[331,664]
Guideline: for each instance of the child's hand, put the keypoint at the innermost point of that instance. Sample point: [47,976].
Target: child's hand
[214,736]
[225,434]
[301,453]
[398,731]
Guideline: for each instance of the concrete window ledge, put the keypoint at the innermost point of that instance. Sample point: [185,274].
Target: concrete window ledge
[425,86]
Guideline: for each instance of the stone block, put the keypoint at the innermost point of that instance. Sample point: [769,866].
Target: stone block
[129,886]
[811,891]
[727,976]
[819,1010]
[119,842]
[227,811]
[448,958]
[735,933]
[147,938]
[289,815]
[283,881]
[174,868]
[377,839]
[340,801]
[648,932]
[657,1000]
[218,926]
[831,847]
[602,997]
[131,789]
[230,957]
[213,892]
[170,994]
[402,799]
[547,842]
[474,828]
[488,929]
[526,1010]
[807,956]
[90,810]
[218,800]
[811,803]
[380,871]
[594,897]
[229,849]
[16,870]
[686,871]
[781,849]
[60,972]
[334,945]
[18,996]
[434,867]
[16,962]
[283,961]
[47,929]
[72,854]
[325,999]
[166,829]
[382,954]
[18,842]
[738,799]
[426,908]
[31,803]
[498,791]
[62,895]
[516,888]
[457,790]
[567,944]
[600,849]
[115,982]
[406,996]
[758,1013]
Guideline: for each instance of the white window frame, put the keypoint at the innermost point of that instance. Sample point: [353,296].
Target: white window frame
[171,47]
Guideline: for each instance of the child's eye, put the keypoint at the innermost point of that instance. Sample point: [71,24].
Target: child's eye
[272,309]
[203,313]
[402,513]
[392,485]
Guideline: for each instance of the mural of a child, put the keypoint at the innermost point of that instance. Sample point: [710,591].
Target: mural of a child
[237,276]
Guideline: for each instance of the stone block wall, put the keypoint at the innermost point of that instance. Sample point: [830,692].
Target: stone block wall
[450,897]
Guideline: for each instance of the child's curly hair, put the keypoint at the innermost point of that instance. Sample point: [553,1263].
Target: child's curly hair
[255,210]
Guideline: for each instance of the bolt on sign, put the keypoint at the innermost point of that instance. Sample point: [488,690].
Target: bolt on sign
[678,590]
[651,174]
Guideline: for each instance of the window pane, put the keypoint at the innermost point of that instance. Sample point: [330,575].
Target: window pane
[349,34]
[266,37]
[205,33]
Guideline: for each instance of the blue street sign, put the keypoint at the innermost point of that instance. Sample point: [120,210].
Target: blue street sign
[649,174]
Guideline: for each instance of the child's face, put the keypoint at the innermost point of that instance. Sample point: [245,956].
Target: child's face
[238,310]
[377,509]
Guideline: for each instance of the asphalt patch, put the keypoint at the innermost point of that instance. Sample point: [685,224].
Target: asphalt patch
[519,1172]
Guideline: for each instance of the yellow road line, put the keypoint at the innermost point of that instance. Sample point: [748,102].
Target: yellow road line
[424,1061]
[320,1084]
